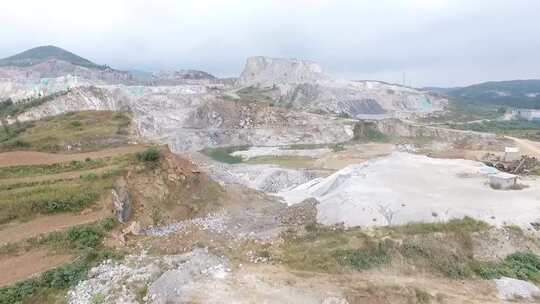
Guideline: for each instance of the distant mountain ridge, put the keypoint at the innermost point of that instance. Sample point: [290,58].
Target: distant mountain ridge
[45,53]
[514,93]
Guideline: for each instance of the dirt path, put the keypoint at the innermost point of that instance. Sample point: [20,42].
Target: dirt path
[52,177]
[15,232]
[528,147]
[17,268]
[25,158]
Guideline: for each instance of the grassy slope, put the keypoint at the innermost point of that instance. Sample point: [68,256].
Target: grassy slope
[43,53]
[25,200]
[485,93]
[82,131]
[441,248]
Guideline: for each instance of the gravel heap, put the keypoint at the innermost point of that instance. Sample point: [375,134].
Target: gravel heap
[215,222]
[120,281]
[402,188]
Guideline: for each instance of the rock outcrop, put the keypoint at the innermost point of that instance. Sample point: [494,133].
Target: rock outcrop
[303,84]
[122,205]
[191,117]
[266,71]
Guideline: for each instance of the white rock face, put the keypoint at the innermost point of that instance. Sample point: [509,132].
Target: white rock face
[512,289]
[267,178]
[266,71]
[402,188]
[304,85]
[191,117]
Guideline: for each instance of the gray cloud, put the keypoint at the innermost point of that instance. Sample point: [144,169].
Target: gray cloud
[435,42]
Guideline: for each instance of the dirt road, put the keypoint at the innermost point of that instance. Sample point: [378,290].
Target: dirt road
[27,158]
[528,147]
[17,268]
[15,232]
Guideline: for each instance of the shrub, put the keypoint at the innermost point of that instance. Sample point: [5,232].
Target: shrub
[454,265]
[422,297]
[361,259]
[84,237]
[14,294]
[151,154]
[65,276]
[223,154]
[520,265]
[338,147]
[76,124]
[89,177]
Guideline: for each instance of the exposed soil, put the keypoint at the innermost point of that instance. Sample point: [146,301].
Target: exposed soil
[20,267]
[15,232]
[27,158]
[527,147]
[358,154]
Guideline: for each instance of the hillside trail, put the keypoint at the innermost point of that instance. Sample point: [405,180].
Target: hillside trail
[29,158]
[529,147]
[55,177]
[20,267]
[16,232]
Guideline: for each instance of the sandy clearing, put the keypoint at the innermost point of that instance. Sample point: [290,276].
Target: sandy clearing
[25,158]
[17,268]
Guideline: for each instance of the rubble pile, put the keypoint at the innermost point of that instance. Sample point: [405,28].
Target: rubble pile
[524,166]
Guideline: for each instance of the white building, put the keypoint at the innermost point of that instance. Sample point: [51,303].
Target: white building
[527,114]
[503,181]
[511,154]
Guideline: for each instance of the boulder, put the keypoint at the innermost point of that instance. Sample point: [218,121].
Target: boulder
[511,289]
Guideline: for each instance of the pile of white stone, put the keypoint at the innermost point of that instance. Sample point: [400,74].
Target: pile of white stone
[403,187]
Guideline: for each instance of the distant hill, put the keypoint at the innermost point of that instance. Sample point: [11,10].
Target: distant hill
[43,53]
[513,93]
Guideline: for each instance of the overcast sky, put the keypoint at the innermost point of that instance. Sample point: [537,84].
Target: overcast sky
[434,42]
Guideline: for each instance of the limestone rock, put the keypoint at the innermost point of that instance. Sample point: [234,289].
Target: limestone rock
[122,205]
[510,289]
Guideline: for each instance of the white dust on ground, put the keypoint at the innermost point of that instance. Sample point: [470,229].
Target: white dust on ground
[403,187]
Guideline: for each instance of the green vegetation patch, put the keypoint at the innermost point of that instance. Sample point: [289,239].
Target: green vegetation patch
[259,95]
[463,111]
[75,131]
[333,250]
[523,265]
[223,154]
[287,161]
[498,126]
[10,108]
[466,224]
[446,257]
[150,155]
[87,240]
[72,166]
